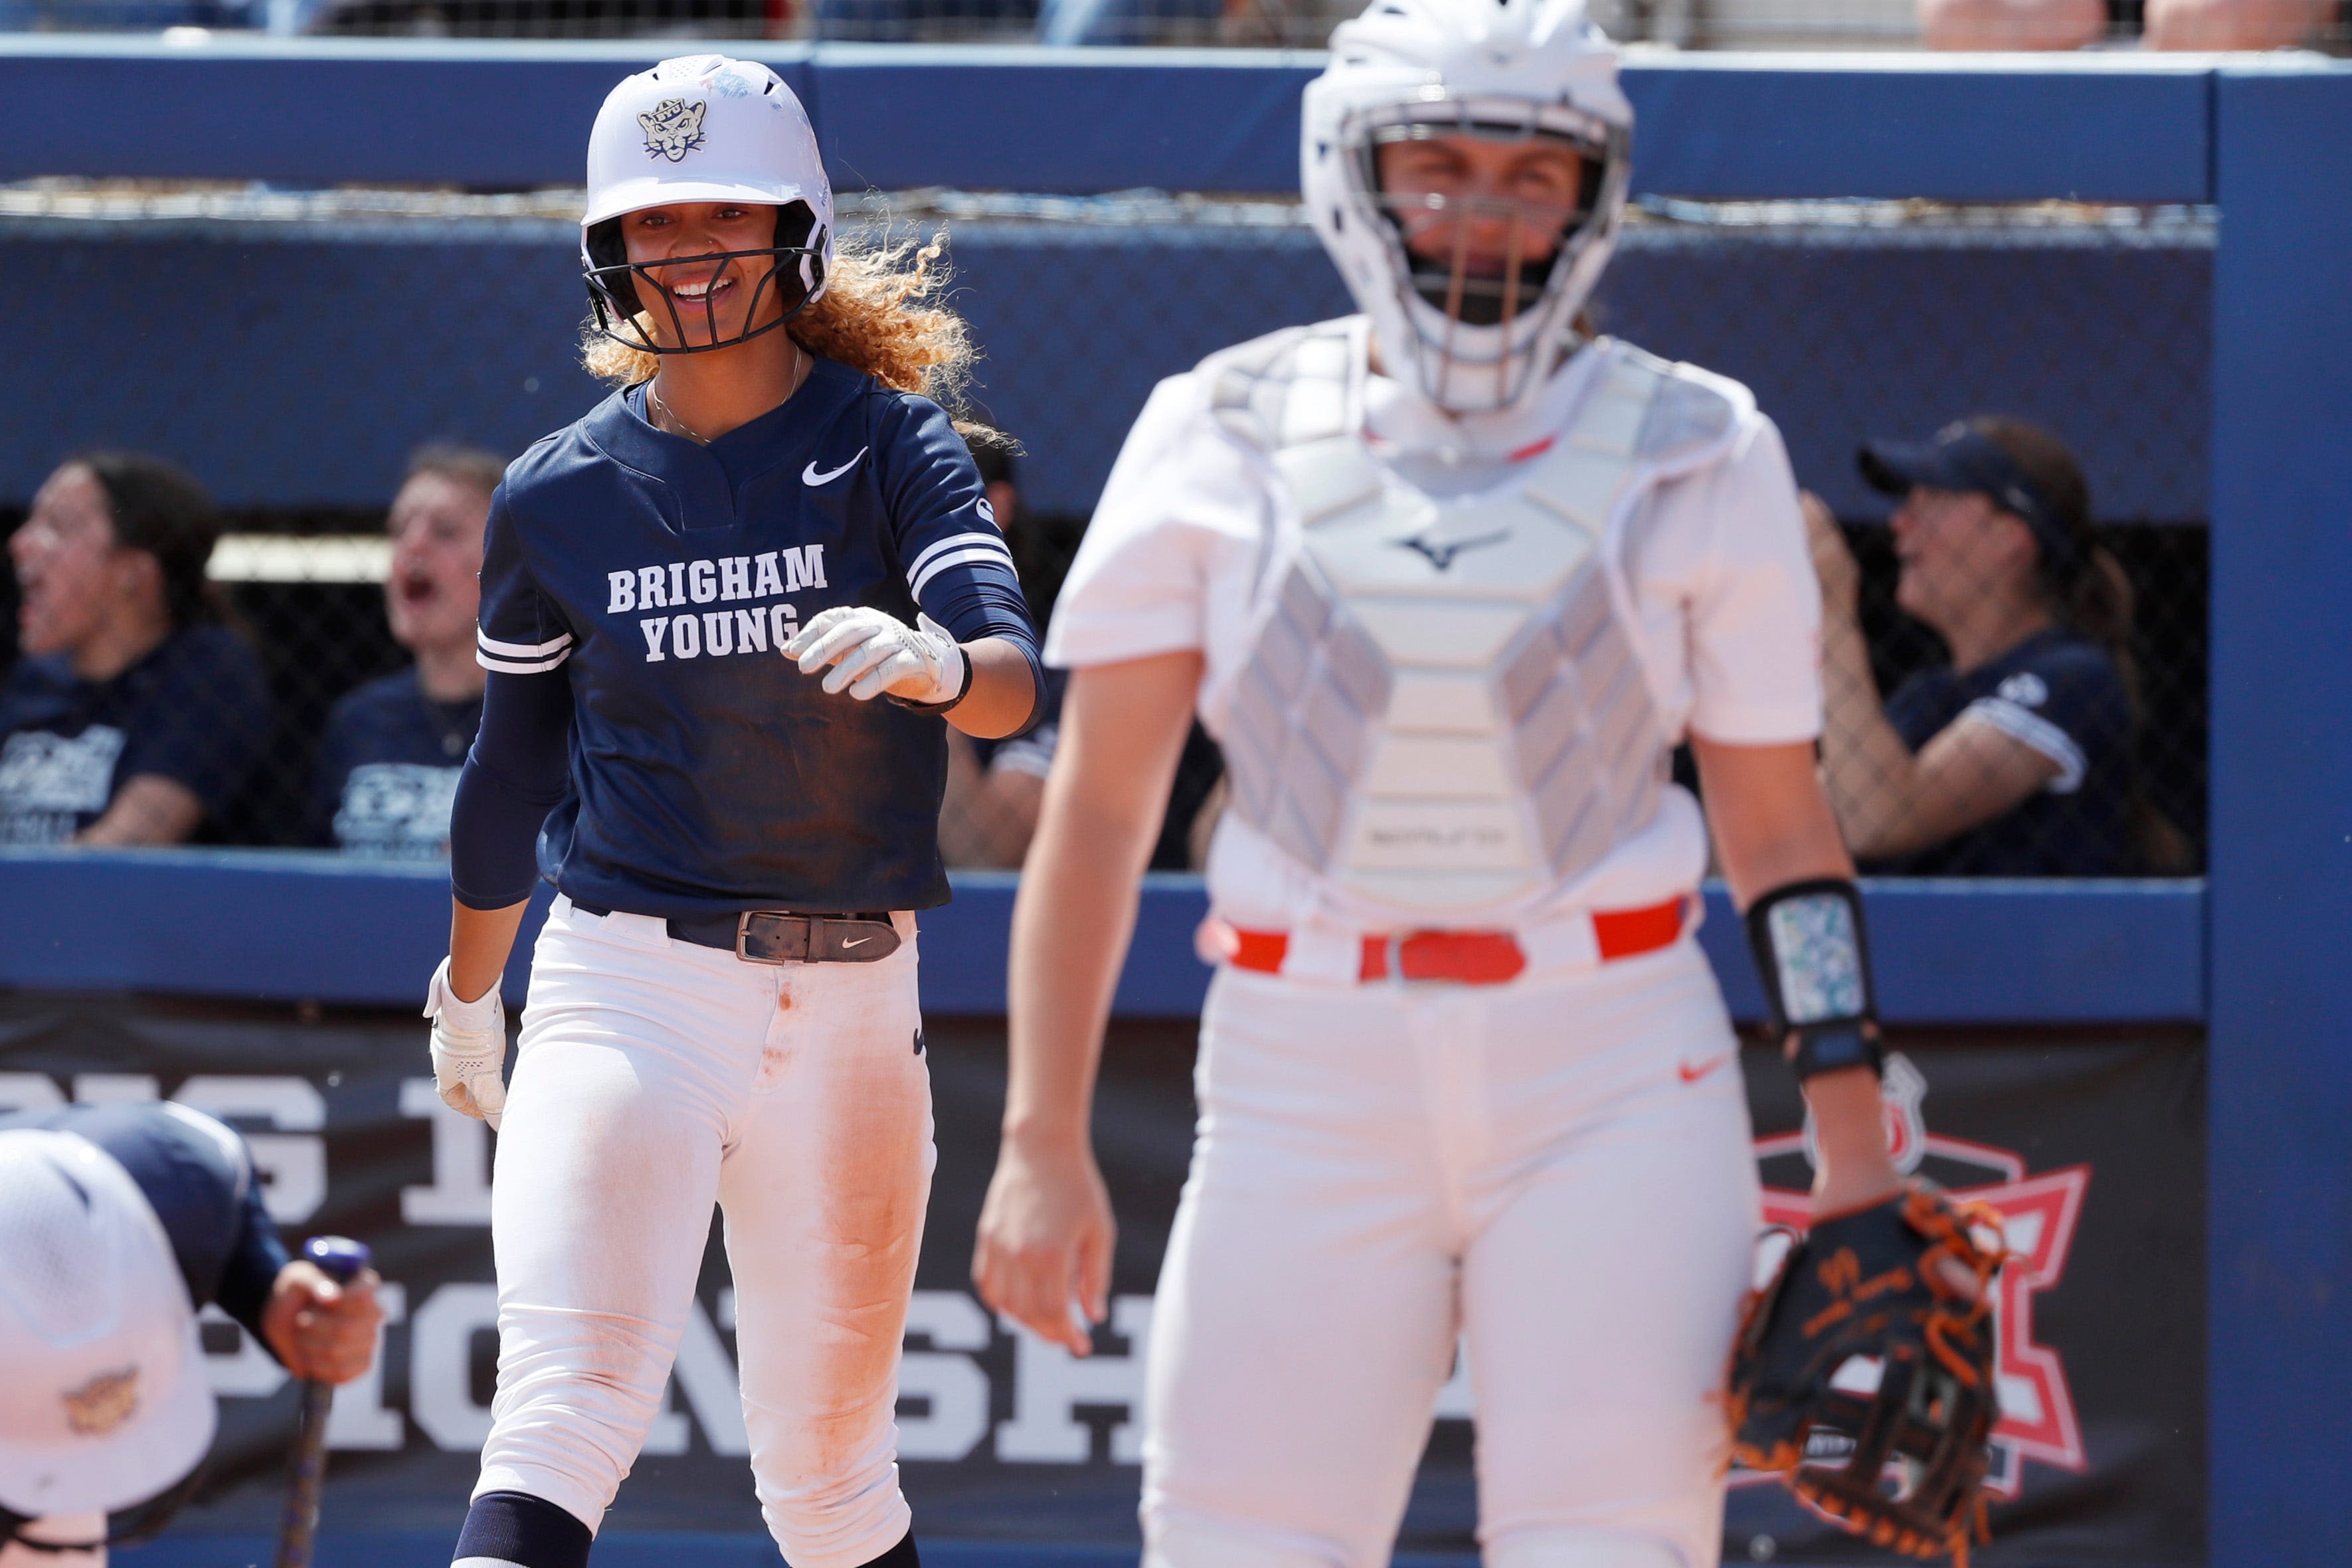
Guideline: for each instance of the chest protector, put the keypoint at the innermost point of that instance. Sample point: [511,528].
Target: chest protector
[1443,707]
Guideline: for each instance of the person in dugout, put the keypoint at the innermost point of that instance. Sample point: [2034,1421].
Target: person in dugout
[119,1223]
[2015,758]
[388,768]
[135,714]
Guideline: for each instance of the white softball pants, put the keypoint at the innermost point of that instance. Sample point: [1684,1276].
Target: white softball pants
[653,1078]
[1557,1171]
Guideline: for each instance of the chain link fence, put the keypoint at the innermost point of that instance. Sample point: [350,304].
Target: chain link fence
[1986,717]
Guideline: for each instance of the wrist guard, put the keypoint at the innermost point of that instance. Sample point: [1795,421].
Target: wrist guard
[1815,964]
[963,681]
[963,689]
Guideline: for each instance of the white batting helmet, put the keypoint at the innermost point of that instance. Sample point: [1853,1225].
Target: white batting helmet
[704,127]
[1516,69]
[103,1398]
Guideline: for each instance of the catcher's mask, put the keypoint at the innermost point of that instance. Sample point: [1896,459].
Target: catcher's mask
[623,310]
[1517,71]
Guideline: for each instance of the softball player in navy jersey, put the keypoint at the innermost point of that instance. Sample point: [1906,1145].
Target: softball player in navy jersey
[691,599]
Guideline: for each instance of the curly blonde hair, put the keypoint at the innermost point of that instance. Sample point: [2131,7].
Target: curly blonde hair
[881,312]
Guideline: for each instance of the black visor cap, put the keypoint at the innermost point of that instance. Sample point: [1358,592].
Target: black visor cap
[1967,460]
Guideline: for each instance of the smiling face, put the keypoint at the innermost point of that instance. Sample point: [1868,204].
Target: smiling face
[1956,548]
[72,573]
[434,592]
[1497,209]
[695,303]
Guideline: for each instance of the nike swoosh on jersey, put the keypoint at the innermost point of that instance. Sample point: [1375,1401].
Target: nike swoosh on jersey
[809,475]
[1690,1074]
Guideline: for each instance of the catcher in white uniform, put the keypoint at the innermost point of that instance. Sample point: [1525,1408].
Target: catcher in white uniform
[1447,580]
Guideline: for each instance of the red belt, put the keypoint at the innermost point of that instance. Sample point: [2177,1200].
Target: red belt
[1470,957]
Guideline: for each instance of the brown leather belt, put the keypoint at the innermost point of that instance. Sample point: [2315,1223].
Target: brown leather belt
[782,936]
[1470,957]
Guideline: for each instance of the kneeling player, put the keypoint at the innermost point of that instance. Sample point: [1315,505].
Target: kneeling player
[118,1224]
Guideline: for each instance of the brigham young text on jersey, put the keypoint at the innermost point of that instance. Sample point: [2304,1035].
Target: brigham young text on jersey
[718,631]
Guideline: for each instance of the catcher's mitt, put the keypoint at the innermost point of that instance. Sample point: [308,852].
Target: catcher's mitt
[1873,1284]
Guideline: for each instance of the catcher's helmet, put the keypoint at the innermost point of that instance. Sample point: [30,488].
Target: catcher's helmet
[703,128]
[1522,70]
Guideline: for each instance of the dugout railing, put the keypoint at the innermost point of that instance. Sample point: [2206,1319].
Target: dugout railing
[2251,950]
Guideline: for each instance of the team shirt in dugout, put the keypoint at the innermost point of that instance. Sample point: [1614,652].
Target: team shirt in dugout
[1726,610]
[196,711]
[388,770]
[663,576]
[2061,695]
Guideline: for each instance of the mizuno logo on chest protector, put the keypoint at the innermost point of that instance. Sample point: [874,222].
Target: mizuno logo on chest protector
[1440,553]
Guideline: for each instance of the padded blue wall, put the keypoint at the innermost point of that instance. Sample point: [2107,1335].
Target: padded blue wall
[2280,1152]
[318,111]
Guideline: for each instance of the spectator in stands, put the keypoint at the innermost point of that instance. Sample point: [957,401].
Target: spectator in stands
[388,768]
[2237,24]
[2161,24]
[923,21]
[136,713]
[995,787]
[2015,758]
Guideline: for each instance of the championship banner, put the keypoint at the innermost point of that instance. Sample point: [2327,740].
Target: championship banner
[2089,1143]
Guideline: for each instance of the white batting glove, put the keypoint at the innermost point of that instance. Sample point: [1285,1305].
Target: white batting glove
[873,653]
[470,1048]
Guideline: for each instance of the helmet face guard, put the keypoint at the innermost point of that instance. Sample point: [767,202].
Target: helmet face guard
[619,289]
[1481,338]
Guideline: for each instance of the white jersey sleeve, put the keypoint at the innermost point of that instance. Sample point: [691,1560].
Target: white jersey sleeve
[1730,607]
[1185,503]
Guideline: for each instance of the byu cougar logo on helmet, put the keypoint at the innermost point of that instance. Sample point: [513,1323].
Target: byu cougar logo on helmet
[673,129]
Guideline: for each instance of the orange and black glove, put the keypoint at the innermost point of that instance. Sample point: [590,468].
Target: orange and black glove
[1907,1284]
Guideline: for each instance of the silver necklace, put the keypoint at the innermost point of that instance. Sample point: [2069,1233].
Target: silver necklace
[671,417]
[653,393]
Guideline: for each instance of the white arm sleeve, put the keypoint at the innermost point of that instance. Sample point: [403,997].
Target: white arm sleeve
[1730,543]
[1179,495]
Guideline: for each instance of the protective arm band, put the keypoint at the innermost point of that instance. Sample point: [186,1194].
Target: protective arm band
[518,770]
[1814,960]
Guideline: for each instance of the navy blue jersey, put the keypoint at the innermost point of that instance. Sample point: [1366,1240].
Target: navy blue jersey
[198,1176]
[662,576]
[2061,695]
[194,711]
[388,770]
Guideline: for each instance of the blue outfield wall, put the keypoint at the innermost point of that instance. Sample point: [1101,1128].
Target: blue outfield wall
[310,925]
[2280,1156]
[318,113]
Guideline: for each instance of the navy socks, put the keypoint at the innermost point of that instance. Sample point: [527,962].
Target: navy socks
[514,1526]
